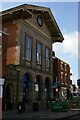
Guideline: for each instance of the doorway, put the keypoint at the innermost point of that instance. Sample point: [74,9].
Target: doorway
[26,86]
[9,96]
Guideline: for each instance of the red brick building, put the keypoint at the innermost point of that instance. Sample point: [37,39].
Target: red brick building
[61,72]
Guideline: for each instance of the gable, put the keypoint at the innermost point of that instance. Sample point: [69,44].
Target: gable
[28,11]
[33,21]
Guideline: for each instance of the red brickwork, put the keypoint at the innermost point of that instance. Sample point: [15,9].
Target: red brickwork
[4,53]
[0,56]
[57,70]
[9,44]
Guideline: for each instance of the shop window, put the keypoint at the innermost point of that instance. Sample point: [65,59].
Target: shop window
[37,89]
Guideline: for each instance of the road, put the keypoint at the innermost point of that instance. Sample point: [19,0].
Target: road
[75,118]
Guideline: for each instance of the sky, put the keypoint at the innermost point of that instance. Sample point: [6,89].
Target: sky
[66,16]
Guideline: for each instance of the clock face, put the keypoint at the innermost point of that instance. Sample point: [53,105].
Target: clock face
[39,20]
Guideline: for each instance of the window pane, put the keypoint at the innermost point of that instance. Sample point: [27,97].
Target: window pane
[62,77]
[38,58]
[47,52]
[37,91]
[36,87]
[47,57]
[46,61]
[28,54]
[62,65]
[65,77]
[39,47]
[28,48]
[65,67]
[28,42]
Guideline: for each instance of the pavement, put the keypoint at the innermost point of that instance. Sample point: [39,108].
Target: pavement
[38,115]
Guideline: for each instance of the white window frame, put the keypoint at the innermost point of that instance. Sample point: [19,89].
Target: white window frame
[62,79]
[61,65]
[65,77]
[65,67]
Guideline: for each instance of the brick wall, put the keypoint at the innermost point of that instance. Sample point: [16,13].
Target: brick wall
[11,41]
[4,53]
[8,45]
[57,70]
[0,55]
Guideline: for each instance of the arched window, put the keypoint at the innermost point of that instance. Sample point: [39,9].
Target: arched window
[38,88]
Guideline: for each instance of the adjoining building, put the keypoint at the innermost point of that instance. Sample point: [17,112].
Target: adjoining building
[28,57]
[61,72]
